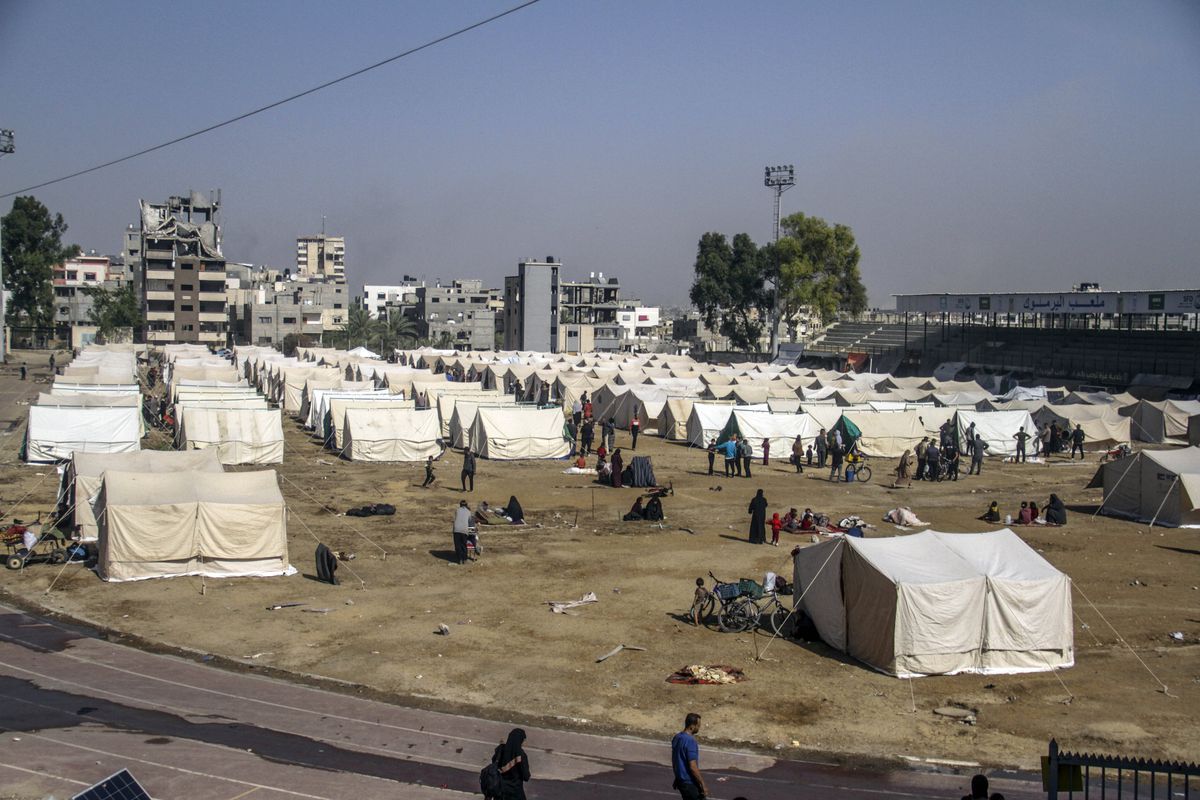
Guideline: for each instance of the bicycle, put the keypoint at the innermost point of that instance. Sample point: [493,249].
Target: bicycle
[724,601]
[747,612]
[862,471]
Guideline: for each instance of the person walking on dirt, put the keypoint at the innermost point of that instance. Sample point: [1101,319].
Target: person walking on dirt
[712,454]
[746,451]
[468,470]
[586,434]
[635,427]
[822,449]
[462,529]
[23,370]
[685,761]
[758,519]
[798,454]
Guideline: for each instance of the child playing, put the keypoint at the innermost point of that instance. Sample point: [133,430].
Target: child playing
[428,472]
[776,525]
[699,598]
[809,455]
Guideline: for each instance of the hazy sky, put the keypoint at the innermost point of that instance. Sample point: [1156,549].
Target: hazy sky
[970,145]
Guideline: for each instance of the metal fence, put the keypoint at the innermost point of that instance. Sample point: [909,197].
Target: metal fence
[1092,776]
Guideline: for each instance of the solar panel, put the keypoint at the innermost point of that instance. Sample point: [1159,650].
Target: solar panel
[121,786]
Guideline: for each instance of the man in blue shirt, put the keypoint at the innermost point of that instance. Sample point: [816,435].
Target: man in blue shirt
[685,761]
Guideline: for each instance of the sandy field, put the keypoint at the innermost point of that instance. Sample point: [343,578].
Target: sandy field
[508,656]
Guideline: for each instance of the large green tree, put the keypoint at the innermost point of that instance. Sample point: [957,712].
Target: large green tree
[32,244]
[397,331]
[359,329]
[814,263]
[113,310]
[729,289]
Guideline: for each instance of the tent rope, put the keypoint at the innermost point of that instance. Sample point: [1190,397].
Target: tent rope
[1121,639]
[333,514]
[362,584]
[1115,485]
[1158,510]
[800,599]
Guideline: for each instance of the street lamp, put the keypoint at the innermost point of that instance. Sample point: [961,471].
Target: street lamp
[6,147]
[780,179]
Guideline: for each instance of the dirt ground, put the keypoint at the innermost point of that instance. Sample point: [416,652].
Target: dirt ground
[507,655]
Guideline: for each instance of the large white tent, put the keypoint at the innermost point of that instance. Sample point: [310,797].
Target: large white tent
[887,434]
[706,421]
[997,429]
[53,433]
[1159,485]
[240,435]
[780,430]
[938,604]
[83,475]
[219,525]
[391,434]
[1103,427]
[519,433]
[463,418]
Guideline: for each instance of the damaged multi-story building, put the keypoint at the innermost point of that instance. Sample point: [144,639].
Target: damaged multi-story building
[180,271]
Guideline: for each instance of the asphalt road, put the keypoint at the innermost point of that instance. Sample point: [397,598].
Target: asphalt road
[75,708]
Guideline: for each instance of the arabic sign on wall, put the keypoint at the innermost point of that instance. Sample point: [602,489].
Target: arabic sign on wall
[1177,302]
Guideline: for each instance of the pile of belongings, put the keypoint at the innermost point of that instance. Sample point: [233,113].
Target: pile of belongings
[707,674]
[903,516]
[641,472]
[374,510]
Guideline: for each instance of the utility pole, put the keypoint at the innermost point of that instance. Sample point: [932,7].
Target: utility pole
[780,179]
[6,148]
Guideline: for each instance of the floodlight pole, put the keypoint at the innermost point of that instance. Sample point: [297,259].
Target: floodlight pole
[780,179]
[6,148]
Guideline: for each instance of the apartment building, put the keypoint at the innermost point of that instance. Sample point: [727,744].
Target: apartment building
[595,302]
[464,311]
[531,306]
[180,270]
[270,306]
[321,256]
[378,299]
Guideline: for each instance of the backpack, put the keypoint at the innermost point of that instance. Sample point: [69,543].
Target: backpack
[491,778]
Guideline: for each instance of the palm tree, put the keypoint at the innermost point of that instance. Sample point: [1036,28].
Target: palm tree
[359,328]
[397,331]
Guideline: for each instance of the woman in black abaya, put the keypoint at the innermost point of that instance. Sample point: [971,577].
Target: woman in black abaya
[514,512]
[758,519]
[514,766]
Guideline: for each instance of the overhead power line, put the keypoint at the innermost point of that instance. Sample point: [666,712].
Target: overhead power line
[277,103]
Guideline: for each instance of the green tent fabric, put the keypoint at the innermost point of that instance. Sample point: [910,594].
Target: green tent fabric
[850,432]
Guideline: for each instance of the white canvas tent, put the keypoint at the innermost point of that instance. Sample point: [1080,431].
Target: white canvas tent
[53,433]
[706,422]
[333,431]
[464,414]
[780,430]
[996,428]
[240,435]
[519,433]
[391,434]
[1159,485]
[676,412]
[938,604]
[82,478]
[887,434]
[219,525]
[1103,428]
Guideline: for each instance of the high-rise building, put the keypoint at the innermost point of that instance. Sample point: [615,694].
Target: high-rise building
[321,256]
[180,270]
[459,314]
[595,302]
[531,306]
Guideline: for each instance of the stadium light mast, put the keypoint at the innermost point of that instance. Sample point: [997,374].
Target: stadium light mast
[780,179]
[6,148]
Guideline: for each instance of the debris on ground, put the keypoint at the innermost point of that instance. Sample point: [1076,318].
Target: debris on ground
[964,715]
[562,606]
[443,629]
[707,674]
[279,606]
[618,649]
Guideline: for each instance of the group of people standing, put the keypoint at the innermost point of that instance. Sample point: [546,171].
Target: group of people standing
[738,454]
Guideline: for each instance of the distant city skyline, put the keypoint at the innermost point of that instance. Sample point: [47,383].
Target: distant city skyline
[971,147]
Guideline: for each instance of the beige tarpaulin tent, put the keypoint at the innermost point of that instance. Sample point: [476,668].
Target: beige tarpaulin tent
[53,433]
[938,604]
[1159,485]
[464,416]
[1103,427]
[82,478]
[240,435]
[391,434]
[887,434]
[676,411]
[519,432]
[333,433]
[219,525]
[997,429]
[1163,422]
